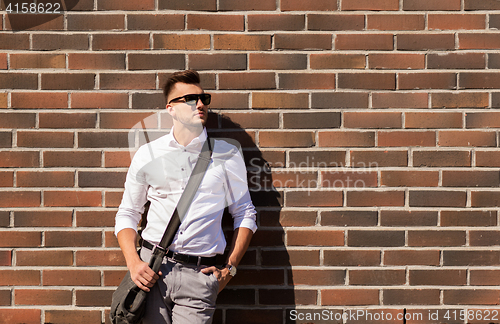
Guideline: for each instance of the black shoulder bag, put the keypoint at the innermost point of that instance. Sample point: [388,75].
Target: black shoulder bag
[129,301]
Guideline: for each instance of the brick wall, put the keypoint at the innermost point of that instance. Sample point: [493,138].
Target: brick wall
[377,119]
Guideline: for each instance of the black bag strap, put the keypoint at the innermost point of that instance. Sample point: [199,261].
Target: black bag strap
[183,205]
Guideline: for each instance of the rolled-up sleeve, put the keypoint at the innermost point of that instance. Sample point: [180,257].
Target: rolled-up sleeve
[238,196]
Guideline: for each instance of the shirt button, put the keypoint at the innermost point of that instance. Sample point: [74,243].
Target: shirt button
[181,232]
[182,169]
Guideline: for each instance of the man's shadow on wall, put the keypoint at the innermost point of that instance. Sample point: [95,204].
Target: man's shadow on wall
[263,290]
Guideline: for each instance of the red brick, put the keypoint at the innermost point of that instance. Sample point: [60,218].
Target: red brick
[113,278]
[456,21]
[273,257]
[217,61]
[486,4]
[72,316]
[276,22]
[251,120]
[72,198]
[3,100]
[104,179]
[345,138]
[438,198]
[20,199]
[76,239]
[20,239]
[288,218]
[396,61]
[286,139]
[7,178]
[67,120]
[42,297]
[247,80]
[198,5]
[216,22]
[471,80]
[409,178]
[100,258]
[424,5]
[471,297]
[429,41]
[5,297]
[279,100]
[44,258]
[44,139]
[119,159]
[483,238]
[298,5]
[155,21]
[375,238]
[119,81]
[93,297]
[468,218]
[43,218]
[370,5]
[113,198]
[395,22]
[91,22]
[19,278]
[181,42]
[43,100]
[6,139]
[484,199]
[240,5]
[91,61]
[103,139]
[18,80]
[355,179]
[120,42]
[487,158]
[261,61]
[72,158]
[406,138]
[14,41]
[372,120]
[71,277]
[433,120]
[412,257]
[19,315]
[436,238]
[95,218]
[335,22]
[460,100]
[376,81]
[125,5]
[316,277]
[408,218]
[231,100]
[3,61]
[337,61]
[242,42]
[375,198]
[375,159]
[364,42]
[314,198]
[321,159]
[37,61]
[484,277]
[411,296]
[478,40]
[99,100]
[291,81]
[303,41]
[315,238]
[377,277]
[456,61]
[466,138]
[47,42]
[399,100]
[351,257]
[470,258]
[349,297]
[19,159]
[409,81]
[470,179]
[45,179]
[18,22]
[339,100]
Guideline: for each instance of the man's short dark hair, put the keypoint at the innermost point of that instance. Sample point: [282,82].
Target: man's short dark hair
[186,76]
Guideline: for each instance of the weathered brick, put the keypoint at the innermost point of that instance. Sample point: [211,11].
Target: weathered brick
[261,61]
[429,41]
[470,258]
[349,218]
[478,41]
[466,138]
[105,179]
[298,5]
[408,218]
[3,100]
[91,22]
[72,316]
[411,296]
[337,61]
[315,238]
[335,22]
[395,22]
[468,218]
[290,81]
[396,61]
[242,42]
[198,5]
[346,138]
[148,100]
[125,5]
[379,42]
[129,81]
[18,21]
[372,120]
[470,297]
[43,100]
[251,120]
[316,277]
[339,100]
[279,100]
[5,139]
[471,80]
[436,238]
[67,120]
[20,199]
[43,218]
[375,159]
[100,258]
[44,179]
[484,277]
[95,218]
[456,21]
[314,198]
[303,41]
[59,41]
[217,61]
[315,159]
[459,100]
[406,138]
[247,80]
[399,100]
[409,81]
[437,198]
[375,198]
[37,61]
[91,61]
[370,5]
[18,81]
[377,277]
[483,238]
[286,139]
[409,178]
[72,198]
[349,297]
[483,5]
[19,159]
[44,139]
[412,257]
[103,139]
[20,315]
[376,81]
[433,120]
[470,179]
[423,5]
[456,61]
[276,22]
[487,158]
[155,21]
[14,41]
[245,5]
[71,277]
[120,42]
[72,158]
[311,120]
[6,179]
[352,257]
[484,199]
[216,22]
[44,258]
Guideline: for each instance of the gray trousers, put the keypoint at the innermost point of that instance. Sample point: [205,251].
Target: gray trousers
[182,295]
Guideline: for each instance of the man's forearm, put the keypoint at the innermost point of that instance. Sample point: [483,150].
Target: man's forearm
[127,239]
[241,240]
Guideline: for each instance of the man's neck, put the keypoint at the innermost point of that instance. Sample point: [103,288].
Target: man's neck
[184,135]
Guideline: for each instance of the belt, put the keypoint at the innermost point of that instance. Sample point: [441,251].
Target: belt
[185,258]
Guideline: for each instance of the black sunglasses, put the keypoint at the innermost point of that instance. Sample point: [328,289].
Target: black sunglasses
[192,99]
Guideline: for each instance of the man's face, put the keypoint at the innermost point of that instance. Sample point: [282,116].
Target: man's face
[189,114]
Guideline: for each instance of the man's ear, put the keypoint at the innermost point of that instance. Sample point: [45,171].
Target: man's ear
[170,109]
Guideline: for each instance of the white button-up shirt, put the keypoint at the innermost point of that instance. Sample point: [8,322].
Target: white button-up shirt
[159,172]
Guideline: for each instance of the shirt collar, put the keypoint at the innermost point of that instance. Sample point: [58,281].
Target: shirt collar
[195,144]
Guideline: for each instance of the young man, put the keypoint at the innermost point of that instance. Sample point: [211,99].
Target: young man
[188,282]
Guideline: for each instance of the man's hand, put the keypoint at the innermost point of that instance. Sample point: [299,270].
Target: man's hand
[222,276]
[142,275]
